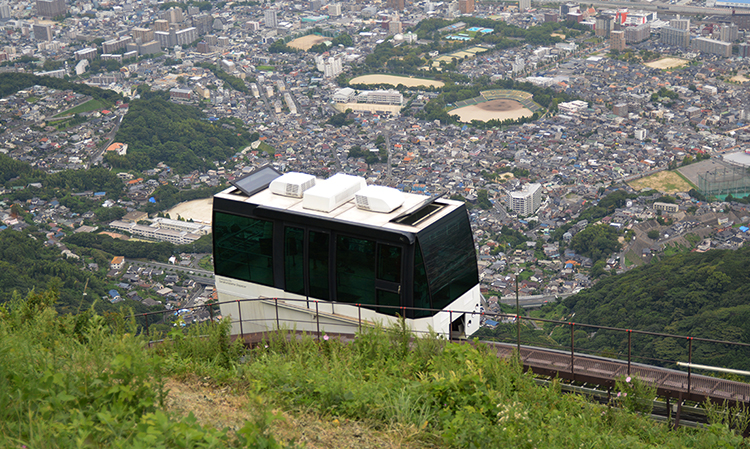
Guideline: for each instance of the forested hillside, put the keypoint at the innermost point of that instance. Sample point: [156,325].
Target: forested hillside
[158,130]
[695,294]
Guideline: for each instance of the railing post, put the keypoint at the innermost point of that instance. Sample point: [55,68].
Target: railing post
[211,312]
[239,314]
[690,359]
[630,334]
[572,347]
[276,303]
[317,318]
[359,318]
[147,333]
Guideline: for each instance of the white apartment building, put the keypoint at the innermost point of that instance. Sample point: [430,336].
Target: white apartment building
[527,200]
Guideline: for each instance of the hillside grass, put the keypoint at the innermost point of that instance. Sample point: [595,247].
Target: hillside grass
[93,381]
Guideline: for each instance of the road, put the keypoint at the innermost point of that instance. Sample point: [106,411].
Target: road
[97,157]
[533,301]
[200,276]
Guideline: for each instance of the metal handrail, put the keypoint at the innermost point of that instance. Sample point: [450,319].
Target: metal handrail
[572,325]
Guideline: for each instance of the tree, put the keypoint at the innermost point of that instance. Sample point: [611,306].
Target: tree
[653,234]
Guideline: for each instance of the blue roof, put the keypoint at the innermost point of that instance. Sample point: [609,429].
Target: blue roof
[491,323]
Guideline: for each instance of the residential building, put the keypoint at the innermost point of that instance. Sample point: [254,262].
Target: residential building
[729,32]
[394,27]
[527,200]
[4,11]
[161,25]
[141,35]
[51,8]
[86,53]
[524,5]
[713,47]
[271,19]
[639,33]
[395,4]
[42,32]
[604,24]
[113,45]
[675,36]
[617,40]
[680,24]
[466,6]
[334,9]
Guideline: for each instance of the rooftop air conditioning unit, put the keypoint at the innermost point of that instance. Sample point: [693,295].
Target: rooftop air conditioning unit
[379,199]
[333,192]
[292,184]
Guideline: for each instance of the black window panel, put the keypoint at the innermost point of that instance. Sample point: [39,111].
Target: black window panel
[421,293]
[449,258]
[257,180]
[318,252]
[243,248]
[355,270]
[389,263]
[294,269]
[386,298]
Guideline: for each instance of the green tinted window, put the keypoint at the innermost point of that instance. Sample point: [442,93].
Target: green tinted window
[243,248]
[449,258]
[355,270]
[421,289]
[318,264]
[389,263]
[294,281]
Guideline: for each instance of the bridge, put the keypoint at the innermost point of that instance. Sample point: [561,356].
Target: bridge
[674,379]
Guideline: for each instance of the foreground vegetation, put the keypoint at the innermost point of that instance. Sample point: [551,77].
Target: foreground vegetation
[91,381]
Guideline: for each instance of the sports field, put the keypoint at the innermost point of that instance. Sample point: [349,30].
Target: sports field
[494,109]
[666,63]
[664,181]
[396,80]
[198,210]
[306,42]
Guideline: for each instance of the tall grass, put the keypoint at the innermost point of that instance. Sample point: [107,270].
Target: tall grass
[87,381]
[91,381]
[448,395]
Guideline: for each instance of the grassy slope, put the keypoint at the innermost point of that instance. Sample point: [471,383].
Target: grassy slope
[90,381]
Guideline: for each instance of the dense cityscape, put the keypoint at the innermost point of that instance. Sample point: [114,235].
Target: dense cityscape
[639,103]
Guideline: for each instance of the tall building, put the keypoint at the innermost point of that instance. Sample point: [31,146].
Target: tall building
[729,32]
[524,5]
[42,32]
[173,15]
[466,6]
[398,5]
[713,47]
[638,33]
[675,36]
[4,11]
[395,27]
[141,35]
[51,8]
[527,200]
[566,8]
[334,9]
[617,40]
[270,17]
[161,25]
[680,24]
[604,24]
